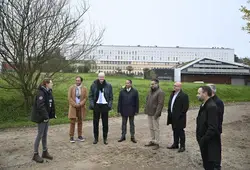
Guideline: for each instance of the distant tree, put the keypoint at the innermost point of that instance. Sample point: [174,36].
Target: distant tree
[146,73]
[246,17]
[129,69]
[118,70]
[237,59]
[246,61]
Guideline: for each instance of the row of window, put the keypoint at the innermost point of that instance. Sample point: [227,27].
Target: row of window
[136,63]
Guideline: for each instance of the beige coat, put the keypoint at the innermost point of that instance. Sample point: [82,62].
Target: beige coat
[72,102]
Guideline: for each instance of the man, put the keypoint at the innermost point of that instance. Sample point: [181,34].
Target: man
[153,108]
[100,100]
[177,116]
[207,131]
[43,110]
[77,97]
[220,105]
[128,106]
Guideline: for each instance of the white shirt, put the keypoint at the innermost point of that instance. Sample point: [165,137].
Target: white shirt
[101,98]
[173,100]
[128,90]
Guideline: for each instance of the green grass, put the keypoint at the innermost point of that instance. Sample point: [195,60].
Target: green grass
[14,116]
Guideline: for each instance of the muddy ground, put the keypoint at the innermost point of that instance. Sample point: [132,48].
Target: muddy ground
[16,146]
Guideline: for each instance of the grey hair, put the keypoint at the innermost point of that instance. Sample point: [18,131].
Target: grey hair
[213,87]
[101,74]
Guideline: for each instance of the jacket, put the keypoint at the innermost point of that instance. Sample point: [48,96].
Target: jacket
[220,110]
[108,94]
[154,103]
[207,131]
[72,102]
[128,102]
[44,106]
[178,117]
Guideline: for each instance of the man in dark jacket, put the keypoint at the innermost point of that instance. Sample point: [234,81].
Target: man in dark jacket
[207,130]
[220,106]
[100,100]
[128,106]
[43,110]
[177,116]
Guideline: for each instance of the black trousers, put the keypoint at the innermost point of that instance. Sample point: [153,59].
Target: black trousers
[124,126]
[179,137]
[105,126]
[209,165]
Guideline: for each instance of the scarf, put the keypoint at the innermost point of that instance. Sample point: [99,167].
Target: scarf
[100,86]
[78,91]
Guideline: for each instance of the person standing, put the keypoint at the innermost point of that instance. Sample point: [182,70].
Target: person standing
[207,130]
[43,110]
[153,108]
[177,116]
[77,97]
[128,107]
[220,105]
[101,100]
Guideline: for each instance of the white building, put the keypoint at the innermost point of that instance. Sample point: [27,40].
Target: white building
[111,57]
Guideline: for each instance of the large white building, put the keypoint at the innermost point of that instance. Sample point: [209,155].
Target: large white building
[111,57]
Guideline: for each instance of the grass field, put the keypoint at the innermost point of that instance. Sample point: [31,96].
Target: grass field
[14,116]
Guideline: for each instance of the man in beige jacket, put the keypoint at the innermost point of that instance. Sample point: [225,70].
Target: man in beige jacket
[77,97]
[153,108]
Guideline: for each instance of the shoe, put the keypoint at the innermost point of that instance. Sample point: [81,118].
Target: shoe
[46,155]
[81,139]
[122,139]
[72,140]
[182,149]
[173,147]
[133,140]
[105,142]
[37,158]
[156,146]
[95,141]
[150,144]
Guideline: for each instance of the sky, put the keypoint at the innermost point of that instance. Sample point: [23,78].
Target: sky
[184,23]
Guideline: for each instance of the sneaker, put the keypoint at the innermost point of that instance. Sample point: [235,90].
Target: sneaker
[71,140]
[81,139]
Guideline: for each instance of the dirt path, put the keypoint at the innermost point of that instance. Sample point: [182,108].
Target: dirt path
[16,146]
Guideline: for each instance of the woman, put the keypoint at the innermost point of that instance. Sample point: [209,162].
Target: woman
[43,110]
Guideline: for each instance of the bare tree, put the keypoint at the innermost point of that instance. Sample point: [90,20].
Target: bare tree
[32,30]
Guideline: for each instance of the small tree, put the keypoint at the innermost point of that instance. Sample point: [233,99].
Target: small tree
[118,70]
[129,69]
[146,72]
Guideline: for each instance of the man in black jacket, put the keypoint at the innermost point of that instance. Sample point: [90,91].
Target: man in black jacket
[207,130]
[177,116]
[220,105]
[100,100]
[128,106]
[43,110]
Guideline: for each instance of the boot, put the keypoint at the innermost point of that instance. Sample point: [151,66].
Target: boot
[46,155]
[37,158]
[133,140]
[105,141]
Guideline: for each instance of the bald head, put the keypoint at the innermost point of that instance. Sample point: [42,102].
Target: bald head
[177,86]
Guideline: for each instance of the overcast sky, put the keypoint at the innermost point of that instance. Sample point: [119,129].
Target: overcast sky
[191,23]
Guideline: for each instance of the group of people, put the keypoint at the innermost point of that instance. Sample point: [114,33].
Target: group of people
[208,122]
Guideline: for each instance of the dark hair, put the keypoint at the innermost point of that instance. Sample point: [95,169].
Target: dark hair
[155,80]
[79,77]
[45,81]
[207,89]
[130,81]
